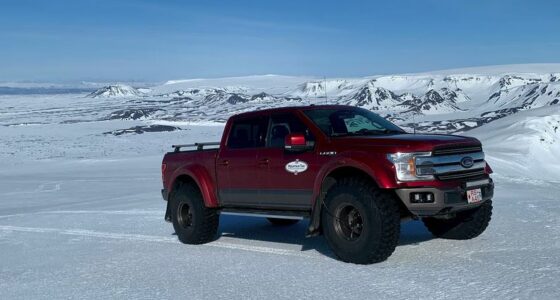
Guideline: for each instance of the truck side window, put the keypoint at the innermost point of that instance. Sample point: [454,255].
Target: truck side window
[248,133]
[283,124]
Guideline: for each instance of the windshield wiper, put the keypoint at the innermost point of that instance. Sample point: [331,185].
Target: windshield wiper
[365,132]
[335,134]
[374,131]
[388,131]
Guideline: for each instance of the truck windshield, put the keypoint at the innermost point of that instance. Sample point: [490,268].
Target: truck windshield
[351,121]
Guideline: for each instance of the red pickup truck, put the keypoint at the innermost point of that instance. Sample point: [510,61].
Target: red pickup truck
[353,174]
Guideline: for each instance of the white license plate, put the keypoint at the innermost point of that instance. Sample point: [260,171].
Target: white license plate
[474,196]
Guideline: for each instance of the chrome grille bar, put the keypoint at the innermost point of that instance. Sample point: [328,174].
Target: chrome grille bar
[462,175]
[457,150]
[447,159]
[437,170]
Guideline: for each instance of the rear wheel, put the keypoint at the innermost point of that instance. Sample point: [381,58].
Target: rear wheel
[361,223]
[193,222]
[465,225]
[282,222]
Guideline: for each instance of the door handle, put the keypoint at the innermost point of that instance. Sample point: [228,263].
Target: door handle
[264,161]
[224,163]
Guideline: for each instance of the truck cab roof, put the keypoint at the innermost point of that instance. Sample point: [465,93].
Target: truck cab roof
[291,109]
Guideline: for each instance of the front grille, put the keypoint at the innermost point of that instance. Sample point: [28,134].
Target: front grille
[453,162]
[471,174]
[457,150]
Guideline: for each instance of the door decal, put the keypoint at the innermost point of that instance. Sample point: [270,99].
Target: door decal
[296,166]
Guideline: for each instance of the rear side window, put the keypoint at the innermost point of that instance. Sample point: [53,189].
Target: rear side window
[248,133]
[283,124]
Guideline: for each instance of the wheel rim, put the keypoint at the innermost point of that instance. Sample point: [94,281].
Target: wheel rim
[348,222]
[184,215]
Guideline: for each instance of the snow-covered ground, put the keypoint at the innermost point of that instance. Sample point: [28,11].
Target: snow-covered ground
[95,229]
[81,215]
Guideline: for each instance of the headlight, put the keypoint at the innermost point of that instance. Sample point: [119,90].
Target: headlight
[405,166]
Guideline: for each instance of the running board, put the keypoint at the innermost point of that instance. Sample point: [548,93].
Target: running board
[264,213]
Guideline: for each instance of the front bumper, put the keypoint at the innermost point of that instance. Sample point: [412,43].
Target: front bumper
[165,194]
[445,200]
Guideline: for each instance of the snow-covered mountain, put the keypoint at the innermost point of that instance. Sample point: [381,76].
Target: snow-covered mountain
[452,101]
[116,91]
[441,101]
[520,142]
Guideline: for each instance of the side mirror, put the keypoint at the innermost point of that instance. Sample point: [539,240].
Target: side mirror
[295,142]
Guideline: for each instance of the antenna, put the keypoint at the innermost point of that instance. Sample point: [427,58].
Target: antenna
[413,123]
[326,96]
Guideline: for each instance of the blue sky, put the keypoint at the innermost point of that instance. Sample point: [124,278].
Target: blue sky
[157,40]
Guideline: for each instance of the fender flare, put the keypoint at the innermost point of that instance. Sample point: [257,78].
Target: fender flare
[380,174]
[201,178]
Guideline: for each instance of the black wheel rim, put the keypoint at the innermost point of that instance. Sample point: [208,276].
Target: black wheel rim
[184,215]
[348,222]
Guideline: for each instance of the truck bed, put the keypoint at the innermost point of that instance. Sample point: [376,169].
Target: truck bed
[205,158]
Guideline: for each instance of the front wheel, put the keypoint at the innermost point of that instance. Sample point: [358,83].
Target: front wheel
[465,225]
[361,223]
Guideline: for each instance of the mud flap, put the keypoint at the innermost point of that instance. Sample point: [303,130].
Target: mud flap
[314,228]
[168,213]
[315,221]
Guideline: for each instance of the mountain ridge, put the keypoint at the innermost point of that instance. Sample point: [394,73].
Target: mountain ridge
[438,102]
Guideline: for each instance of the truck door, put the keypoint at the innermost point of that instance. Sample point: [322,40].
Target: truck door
[282,186]
[236,164]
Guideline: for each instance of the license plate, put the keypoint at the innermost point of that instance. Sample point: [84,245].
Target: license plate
[474,196]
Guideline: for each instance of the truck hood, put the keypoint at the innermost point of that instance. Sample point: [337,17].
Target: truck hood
[411,142]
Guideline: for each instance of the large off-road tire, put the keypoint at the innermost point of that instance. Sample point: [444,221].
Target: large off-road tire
[282,222]
[360,222]
[193,222]
[465,225]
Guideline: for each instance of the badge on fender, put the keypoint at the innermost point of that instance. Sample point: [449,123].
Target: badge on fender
[296,166]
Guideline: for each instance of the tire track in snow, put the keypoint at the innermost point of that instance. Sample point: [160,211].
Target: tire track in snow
[48,187]
[158,212]
[132,212]
[152,238]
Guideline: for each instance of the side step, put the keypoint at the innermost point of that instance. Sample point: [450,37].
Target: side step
[265,213]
